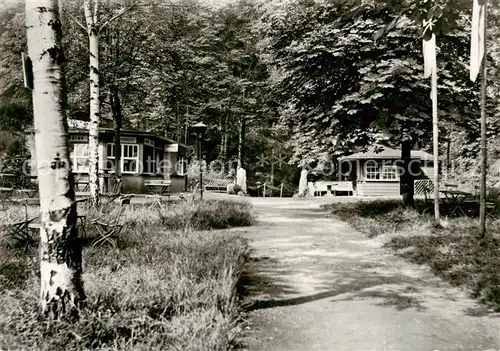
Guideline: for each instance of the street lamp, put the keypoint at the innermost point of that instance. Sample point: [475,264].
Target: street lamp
[200,129]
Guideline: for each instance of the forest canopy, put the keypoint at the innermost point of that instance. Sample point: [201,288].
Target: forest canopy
[310,80]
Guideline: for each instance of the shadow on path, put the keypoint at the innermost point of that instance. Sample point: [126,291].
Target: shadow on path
[356,286]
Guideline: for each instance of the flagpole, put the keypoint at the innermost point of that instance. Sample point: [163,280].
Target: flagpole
[435,137]
[482,198]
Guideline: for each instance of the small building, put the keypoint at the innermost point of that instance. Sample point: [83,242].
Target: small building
[144,156]
[377,171]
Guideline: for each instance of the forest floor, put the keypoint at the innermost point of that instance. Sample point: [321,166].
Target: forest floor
[317,284]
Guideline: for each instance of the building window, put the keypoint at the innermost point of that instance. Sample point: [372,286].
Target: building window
[181,166]
[159,161]
[80,138]
[372,172]
[129,157]
[79,156]
[389,172]
[149,160]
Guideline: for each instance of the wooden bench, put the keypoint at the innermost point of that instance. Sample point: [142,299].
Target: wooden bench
[163,186]
[343,187]
[216,185]
[332,187]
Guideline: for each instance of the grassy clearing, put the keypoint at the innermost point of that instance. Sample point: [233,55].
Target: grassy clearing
[163,289]
[454,252]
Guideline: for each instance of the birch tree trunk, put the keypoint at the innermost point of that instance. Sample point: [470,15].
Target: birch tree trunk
[225,150]
[241,142]
[61,286]
[93,34]
[186,126]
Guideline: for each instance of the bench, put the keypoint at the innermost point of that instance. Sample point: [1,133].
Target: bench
[344,187]
[162,185]
[331,187]
[216,185]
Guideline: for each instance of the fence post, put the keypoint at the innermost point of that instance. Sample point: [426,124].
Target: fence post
[281,190]
[264,194]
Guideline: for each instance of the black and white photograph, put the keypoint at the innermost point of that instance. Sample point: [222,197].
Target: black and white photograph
[254,175]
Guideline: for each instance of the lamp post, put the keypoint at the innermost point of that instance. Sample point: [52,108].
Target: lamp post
[200,129]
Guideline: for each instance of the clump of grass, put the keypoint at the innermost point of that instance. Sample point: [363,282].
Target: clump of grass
[205,215]
[185,215]
[454,251]
[164,290]
[375,218]
[462,259]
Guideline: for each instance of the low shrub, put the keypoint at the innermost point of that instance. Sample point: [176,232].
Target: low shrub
[375,218]
[463,260]
[184,215]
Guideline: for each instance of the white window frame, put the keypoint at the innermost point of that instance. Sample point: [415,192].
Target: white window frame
[123,158]
[76,155]
[181,167]
[372,170]
[389,170]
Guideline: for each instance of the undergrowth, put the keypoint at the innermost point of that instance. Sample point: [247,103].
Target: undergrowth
[163,289]
[454,251]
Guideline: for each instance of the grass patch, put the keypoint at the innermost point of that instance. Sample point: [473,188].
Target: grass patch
[375,218]
[164,289]
[455,252]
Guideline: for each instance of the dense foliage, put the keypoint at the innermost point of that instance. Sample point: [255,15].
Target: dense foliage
[304,80]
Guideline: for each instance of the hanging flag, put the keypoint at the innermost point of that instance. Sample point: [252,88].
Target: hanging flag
[429,48]
[477,38]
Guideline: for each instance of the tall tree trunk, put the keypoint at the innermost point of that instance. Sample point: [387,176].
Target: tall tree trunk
[92,32]
[224,146]
[61,286]
[407,178]
[448,146]
[241,143]
[186,126]
[272,167]
[116,109]
[177,123]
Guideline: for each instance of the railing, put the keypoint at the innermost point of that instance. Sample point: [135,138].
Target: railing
[215,184]
[424,187]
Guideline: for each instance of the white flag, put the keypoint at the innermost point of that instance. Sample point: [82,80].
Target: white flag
[477,38]
[429,48]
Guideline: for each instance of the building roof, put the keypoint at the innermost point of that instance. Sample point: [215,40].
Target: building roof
[77,126]
[386,153]
[131,132]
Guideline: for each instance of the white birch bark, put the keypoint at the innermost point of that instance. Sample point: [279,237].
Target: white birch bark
[93,34]
[241,142]
[61,288]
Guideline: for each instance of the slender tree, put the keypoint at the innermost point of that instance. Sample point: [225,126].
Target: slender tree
[61,288]
[93,35]
[430,69]
[93,29]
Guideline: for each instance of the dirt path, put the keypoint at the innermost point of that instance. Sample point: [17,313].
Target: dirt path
[320,285]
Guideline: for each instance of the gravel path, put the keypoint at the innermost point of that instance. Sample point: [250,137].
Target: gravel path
[318,284]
